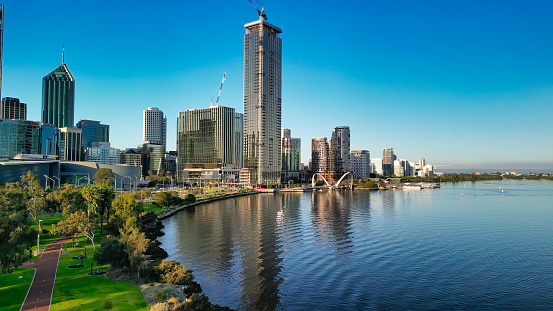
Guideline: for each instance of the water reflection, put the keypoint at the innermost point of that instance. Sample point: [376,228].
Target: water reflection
[330,213]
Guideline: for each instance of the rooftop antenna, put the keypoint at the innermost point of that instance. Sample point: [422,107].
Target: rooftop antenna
[63,55]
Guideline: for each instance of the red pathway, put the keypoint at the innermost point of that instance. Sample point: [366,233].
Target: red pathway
[40,294]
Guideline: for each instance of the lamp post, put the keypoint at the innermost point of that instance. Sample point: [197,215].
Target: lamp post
[38,237]
[59,182]
[75,178]
[47,181]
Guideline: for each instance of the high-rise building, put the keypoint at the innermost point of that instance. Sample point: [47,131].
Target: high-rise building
[102,153]
[11,108]
[154,127]
[19,136]
[93,131]
[58,97]
[340,143]
[388,158]
[205,138]
[321,158]
[238,140]
[153,158]
[262,101]
[291,151]
[49,139]
[131,156]
[360,164]
[71,144]
[376,166]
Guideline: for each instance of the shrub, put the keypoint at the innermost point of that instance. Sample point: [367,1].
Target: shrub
[108,305]
[170,271]
[189,198]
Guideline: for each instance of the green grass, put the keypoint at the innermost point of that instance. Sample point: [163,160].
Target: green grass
[75,290]
[45,239]
[150,207]
[13,290]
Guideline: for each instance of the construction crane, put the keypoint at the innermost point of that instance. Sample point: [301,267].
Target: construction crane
[220,89]
[261,13]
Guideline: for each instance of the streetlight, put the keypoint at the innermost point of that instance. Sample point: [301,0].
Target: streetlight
[47,181]
[59,182]
[75,178]
[38,238]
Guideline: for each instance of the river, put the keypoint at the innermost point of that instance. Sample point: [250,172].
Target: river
[467,245]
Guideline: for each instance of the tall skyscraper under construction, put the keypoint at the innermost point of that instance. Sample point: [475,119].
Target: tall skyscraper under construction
[262,101]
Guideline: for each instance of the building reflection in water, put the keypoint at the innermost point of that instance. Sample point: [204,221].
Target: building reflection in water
[330,212]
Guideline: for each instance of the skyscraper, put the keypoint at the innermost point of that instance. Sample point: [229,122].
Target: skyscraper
[11,108]
[388,159]
[262,101]
[93,131]
[291,151]
[340,143]
[238,140]
[58,97]
[154,127]
[71,144]
[205,138]
[360,164]
[321,158]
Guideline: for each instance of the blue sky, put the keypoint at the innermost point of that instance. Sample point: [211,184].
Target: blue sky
[461,83]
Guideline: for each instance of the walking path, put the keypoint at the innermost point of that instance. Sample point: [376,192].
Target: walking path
[40,293]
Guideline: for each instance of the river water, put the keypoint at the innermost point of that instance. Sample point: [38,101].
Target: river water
[465,246]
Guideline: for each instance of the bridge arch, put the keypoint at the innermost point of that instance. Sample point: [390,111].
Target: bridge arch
[313,179]
[344,176]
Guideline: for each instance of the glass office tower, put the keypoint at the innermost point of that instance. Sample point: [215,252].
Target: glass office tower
[262,102]
[93,131]
[206,138]
[58,97]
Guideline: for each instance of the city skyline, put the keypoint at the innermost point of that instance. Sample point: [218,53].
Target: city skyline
[466,85]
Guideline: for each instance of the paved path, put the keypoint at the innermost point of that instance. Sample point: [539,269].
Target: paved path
[39,296]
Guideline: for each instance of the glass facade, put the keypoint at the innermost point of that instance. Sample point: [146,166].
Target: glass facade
[262,102]
[19,136]
[206,138]
[340,142]
[153,158]
[49,139]
[238,140]
[71,144]
[58,97]
[360,164]
[291,151]
[93,131]
[11,108]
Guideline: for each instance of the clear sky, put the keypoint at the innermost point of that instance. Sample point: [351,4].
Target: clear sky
[461,83]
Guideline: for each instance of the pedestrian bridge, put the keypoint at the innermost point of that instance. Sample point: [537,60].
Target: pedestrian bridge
[331,186]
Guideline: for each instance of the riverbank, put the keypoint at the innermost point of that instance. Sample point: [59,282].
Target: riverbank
[168,212]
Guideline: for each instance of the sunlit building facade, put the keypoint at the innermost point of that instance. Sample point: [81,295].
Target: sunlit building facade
[12,108]
[262,102]
[93,131]
[58,97]
[360,164]
[154,126]
[205,138]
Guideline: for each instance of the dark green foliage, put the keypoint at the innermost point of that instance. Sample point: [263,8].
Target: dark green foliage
[198,302]
[108,305]
[16,235]
[167,199]
[113,253]
[189,198]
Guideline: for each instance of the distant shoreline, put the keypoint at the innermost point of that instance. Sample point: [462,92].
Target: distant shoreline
[493,170]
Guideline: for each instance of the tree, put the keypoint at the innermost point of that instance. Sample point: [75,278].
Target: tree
[78,223]
[92,196]
[190,198]
[105,196]
[197,302]
[111,253]
[136,244]
[16,235]
[68,199]
[36,194]
[127,211]
[104,176]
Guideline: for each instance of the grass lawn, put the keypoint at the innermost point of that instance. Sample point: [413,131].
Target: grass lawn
[149,207]
[75,290]
[45,239]
[13,290]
